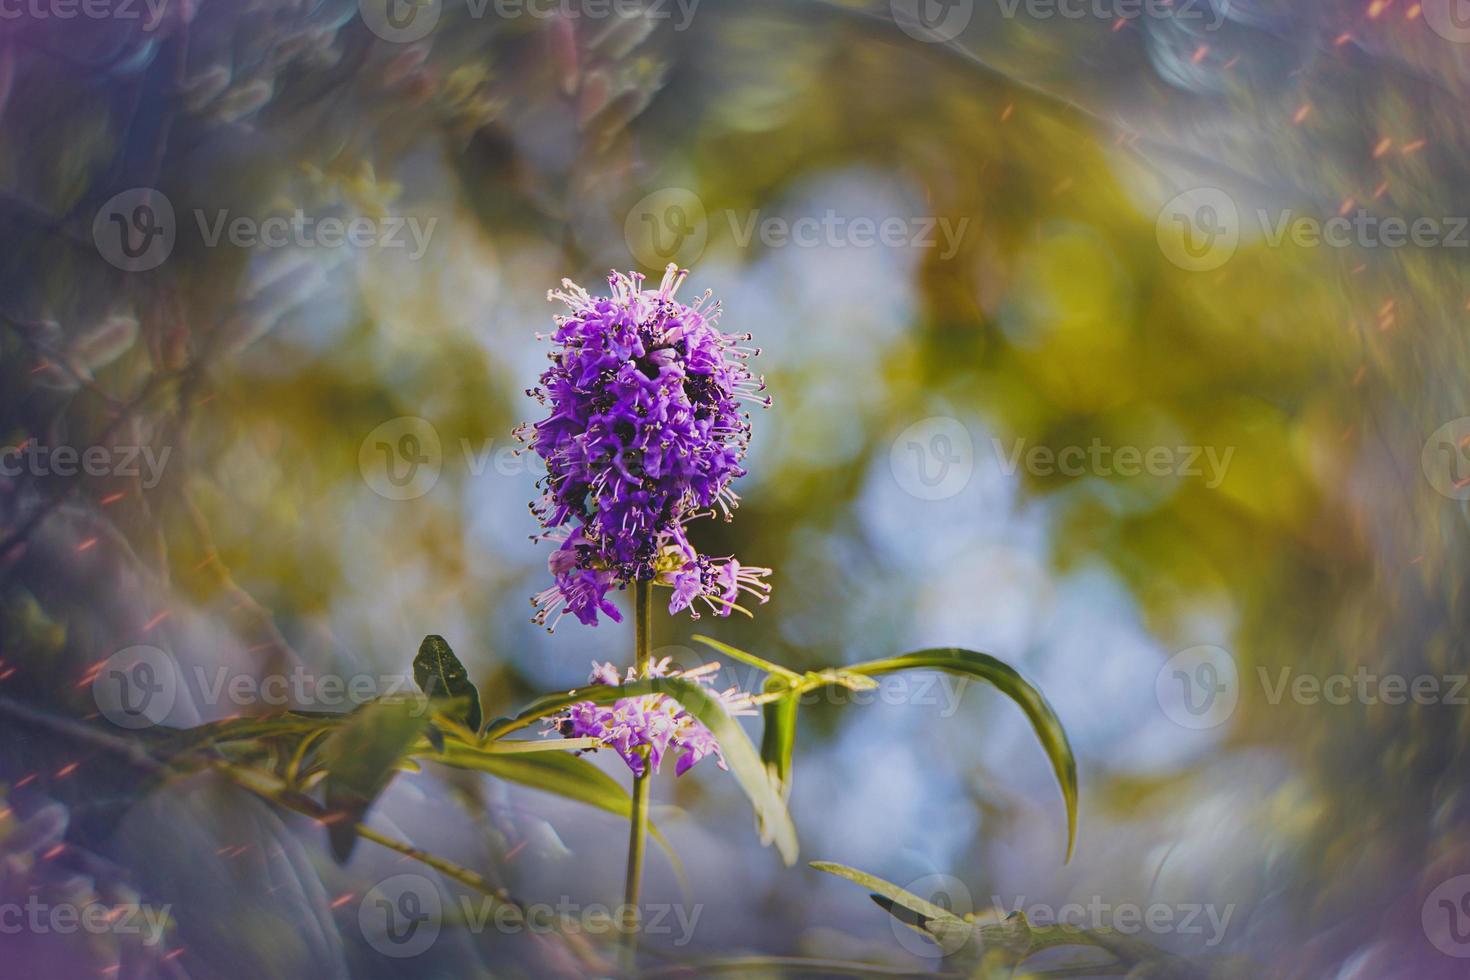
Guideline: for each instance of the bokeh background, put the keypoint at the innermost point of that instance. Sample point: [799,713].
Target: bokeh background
[1045,285]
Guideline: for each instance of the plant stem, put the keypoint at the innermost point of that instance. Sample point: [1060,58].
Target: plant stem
[638,819]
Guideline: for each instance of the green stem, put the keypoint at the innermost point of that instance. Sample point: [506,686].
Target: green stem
[638,819]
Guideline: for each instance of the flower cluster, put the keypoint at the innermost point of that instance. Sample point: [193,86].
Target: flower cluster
[644,729]
[646,431]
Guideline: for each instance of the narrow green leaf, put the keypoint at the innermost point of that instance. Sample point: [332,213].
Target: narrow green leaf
[439,674]
[890,891]
[748,658]
[1044,721]
[361,758]
[744,762]
[520,747]
[778,736]
[951,932]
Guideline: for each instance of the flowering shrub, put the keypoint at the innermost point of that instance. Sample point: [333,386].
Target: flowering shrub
[645,433]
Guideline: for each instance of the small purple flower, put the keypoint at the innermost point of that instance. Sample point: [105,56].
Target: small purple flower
[650,724]
[646,431]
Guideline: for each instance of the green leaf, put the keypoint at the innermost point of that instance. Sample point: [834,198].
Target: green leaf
[747,658]
[950,931]
[744,762]
[778,736]
[439,674]
[890,891]
[361,758]
[1048,728]
[520,747]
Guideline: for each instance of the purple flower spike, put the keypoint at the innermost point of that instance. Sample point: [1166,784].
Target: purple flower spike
[646,431]
[651,726]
